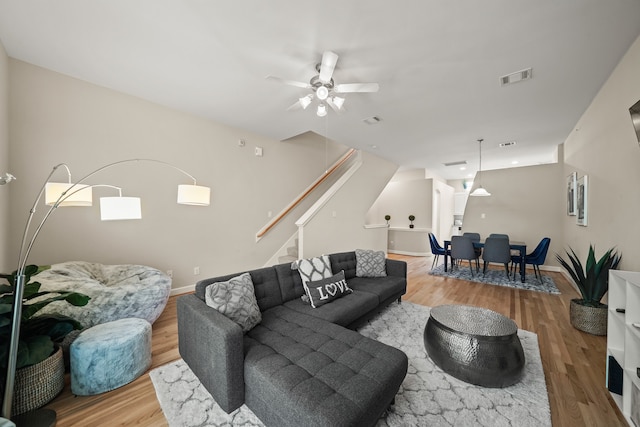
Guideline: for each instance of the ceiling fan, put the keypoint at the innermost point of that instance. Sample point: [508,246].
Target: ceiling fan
[324,89]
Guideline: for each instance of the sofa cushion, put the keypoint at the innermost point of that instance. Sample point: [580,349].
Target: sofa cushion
[383,287]
[235,298]
[290,282]
[265,283]
[370,263]
[300,371]
[344,261]
[324,291]
[343,311]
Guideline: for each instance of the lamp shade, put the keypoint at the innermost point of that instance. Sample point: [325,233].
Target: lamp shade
[120,208]
[480,192]
[194,195]
[79,195]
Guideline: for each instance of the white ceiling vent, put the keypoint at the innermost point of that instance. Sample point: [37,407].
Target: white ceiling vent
[506,144]
[460,162]
[516,77]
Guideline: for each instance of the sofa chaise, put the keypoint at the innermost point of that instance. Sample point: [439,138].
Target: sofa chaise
[298,365]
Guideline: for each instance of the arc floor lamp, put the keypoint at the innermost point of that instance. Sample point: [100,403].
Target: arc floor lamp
[77,193]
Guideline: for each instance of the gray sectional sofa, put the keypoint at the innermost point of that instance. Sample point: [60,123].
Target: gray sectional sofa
[300,366]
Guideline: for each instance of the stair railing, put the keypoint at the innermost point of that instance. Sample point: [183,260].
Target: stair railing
[349,154]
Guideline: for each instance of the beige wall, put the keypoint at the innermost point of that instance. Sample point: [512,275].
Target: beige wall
[55,118]
[526,203]
[405,195]
[6,261]
[604,146]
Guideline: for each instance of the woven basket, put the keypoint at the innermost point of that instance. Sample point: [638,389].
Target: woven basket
[38,384]
[588,319]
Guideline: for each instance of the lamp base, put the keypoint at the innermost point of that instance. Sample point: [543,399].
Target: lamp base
[37,418]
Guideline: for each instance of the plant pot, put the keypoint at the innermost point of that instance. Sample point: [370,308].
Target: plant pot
[38,384]
[592,320]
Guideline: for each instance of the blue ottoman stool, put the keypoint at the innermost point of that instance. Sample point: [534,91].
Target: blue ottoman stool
[110,355]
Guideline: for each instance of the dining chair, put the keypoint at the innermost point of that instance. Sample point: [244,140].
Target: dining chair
[496,249]
[535,258]
[436,249]
[475,237]
[504,236]
[462,248]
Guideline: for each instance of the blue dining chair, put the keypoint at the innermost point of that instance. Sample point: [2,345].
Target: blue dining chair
[436,249]
[535,258]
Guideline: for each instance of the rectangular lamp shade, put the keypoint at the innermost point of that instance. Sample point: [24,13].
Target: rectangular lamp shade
[194,195]
[79,195]
[120,208]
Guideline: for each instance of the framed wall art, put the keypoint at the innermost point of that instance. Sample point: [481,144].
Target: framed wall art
[572,198]
[582,201]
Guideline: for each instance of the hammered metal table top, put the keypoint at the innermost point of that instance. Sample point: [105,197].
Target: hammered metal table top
[474,320]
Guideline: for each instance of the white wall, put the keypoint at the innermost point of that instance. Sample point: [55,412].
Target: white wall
[55,118]
[340,224]
[5,259]
[604,146]
[527,203]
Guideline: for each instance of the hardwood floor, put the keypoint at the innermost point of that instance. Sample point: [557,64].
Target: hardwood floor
[573,361]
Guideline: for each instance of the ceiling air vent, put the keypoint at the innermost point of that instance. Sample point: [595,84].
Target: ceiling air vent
[372,120]
[459,162]
[506,144]
[516,77]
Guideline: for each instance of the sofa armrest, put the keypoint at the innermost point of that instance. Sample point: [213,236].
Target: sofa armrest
[212,346]
[396,268]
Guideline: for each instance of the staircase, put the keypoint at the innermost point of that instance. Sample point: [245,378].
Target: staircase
[291,254]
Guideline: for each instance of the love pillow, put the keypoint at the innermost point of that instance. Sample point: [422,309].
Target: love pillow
[324,291]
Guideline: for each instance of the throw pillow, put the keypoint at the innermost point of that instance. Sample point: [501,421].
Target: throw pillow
[236,299]
[313,268]
[370,263]
[324,291]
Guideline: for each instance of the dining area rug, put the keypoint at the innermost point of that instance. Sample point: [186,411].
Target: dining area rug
[427,397]
[499,278]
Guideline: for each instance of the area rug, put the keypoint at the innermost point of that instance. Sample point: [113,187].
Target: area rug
[428,396]
[498,277]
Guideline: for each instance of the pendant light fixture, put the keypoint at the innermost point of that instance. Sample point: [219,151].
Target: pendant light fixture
[480,191]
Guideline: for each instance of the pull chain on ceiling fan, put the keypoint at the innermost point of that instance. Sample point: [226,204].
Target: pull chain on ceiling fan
[324,88]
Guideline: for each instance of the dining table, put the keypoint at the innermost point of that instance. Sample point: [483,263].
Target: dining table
[521,247]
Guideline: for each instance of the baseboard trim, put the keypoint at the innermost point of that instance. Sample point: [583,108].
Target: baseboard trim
[409,253]
[182,290]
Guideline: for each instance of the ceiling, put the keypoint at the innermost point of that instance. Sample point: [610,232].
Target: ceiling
[437,62]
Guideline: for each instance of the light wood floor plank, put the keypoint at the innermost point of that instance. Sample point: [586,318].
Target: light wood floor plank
[573,361]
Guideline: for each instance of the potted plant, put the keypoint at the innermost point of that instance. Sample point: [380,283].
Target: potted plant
[411,218]
[387,218]
[39,358]
[588,314]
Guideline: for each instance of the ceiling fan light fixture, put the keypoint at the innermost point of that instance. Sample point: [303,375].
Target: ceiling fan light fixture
[305,101]
[322,110]
[338,102]
[322,92]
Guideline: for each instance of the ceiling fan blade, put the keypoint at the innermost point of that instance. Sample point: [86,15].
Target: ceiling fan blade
[295,106]
[329,60]
[289,82]
[356,87]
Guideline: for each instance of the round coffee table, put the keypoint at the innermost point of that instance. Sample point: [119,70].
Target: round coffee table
[475,345]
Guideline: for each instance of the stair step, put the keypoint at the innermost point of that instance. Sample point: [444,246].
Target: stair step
[292,251]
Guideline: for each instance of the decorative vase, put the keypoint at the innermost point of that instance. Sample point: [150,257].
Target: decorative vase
[592,320]
[38,384]
[410,225]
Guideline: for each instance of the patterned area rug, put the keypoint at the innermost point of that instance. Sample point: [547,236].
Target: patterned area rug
[427,396]
[498,277]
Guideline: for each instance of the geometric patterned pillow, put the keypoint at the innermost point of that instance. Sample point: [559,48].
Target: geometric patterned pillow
[236,299]
[370,263]
[313,268]
[324,291]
